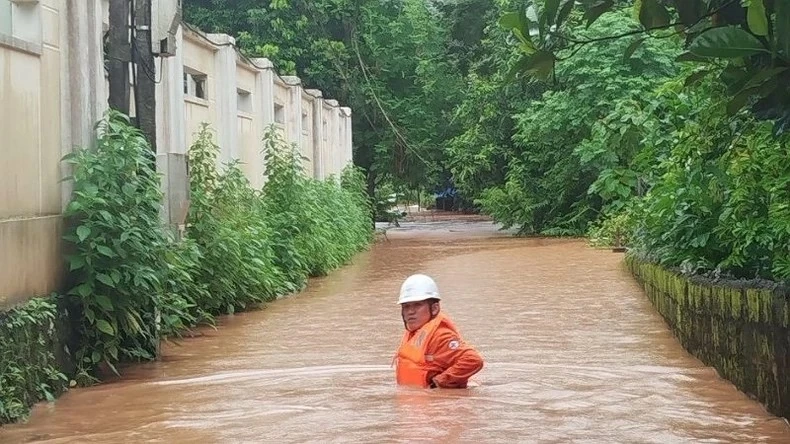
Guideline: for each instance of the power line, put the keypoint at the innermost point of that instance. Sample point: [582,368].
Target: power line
[381,108]
[149,71]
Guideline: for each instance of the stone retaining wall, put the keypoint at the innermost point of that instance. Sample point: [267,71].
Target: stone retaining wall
[739,328]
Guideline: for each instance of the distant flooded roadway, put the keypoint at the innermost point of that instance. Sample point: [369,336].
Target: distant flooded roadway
[574,353]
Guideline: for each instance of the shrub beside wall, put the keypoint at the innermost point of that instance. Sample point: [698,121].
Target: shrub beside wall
[739,327]
[132,283]
[32,354]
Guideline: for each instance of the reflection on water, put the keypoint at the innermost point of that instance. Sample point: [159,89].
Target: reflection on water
[574,352]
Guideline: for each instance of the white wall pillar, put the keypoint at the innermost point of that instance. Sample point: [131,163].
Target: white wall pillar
[293,121]
[226,96]
[87,95]
[332,139]
[348,151]
[170,129]
[339,142]
[265,84]
[171,159]
[83,90]
[343,142]
[340,146]
[318,137]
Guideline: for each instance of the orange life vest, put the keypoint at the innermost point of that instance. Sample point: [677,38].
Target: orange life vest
[411,364]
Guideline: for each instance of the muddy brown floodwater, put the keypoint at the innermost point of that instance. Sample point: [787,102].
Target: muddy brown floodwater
[574,353]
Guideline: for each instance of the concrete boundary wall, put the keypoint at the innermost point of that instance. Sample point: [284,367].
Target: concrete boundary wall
[741,329]
[244,96]
[54,88]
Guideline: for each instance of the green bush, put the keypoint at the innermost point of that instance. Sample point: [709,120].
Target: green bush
[510,205]
[612,230]
[327,221]
[257,244]
[721,205]
[29,370]
[228,224]
[118,264]
[184,297]
[132,283]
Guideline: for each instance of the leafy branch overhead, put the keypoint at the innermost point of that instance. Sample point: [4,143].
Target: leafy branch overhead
[750,39]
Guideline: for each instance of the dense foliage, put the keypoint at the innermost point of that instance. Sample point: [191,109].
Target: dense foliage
[660,125]
[680,170]
[29,369]
[388,61]
[560,176]
[655,124]
[751,36]
[117,264]
[719,201]
[133,282]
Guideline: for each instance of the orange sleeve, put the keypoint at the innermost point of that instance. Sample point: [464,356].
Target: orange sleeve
[455,360]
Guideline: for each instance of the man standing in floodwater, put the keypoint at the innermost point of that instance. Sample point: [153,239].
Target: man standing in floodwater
[432,353]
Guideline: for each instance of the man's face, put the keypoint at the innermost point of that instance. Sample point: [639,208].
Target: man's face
[417,314]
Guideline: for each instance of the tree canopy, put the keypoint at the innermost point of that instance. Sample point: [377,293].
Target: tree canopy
[660,124]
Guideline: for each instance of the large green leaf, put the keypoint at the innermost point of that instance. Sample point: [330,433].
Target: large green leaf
[517,68]
[689,57]
[113,350]
[541,64]
[526,43]
[738,102]
[105,327]
[550,9]
[83,232]
[84,289]
[105,279]
[756,17]
[764,75]
[527,47]
[104,302]
[565,11]
[76,262]
[652,14]
[597,9]
[734,77]
[105,250]
[510,20]
[690,11]
[521,26]
[726,42]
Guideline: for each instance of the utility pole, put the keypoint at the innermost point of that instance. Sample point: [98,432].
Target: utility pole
[145,101]
[120,56]
[145,90]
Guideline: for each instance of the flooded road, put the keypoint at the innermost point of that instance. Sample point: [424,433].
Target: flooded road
[574,353]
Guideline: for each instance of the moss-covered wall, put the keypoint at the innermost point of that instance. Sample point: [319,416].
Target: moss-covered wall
[740,330]
[34,357]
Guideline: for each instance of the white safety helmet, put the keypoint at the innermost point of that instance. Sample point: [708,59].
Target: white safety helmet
[418,287]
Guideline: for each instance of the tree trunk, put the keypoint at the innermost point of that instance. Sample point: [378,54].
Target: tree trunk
[145,91]
[119,55]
